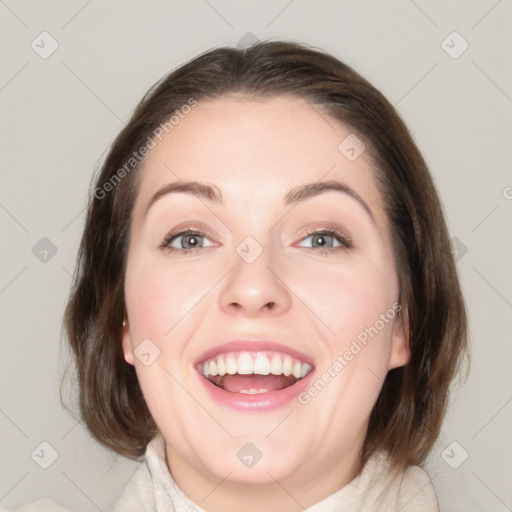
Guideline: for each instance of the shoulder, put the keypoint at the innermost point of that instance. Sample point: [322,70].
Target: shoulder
[45,505]
[388,490]
[416,492]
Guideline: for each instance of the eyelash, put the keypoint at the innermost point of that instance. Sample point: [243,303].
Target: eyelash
[344,240]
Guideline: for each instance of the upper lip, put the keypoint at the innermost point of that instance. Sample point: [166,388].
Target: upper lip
[253,345]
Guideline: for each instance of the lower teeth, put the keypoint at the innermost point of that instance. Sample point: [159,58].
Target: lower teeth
[253,391]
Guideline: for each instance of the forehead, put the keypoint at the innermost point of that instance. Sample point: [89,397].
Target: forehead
[256,148]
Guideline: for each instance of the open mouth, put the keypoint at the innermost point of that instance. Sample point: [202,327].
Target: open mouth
[253,372]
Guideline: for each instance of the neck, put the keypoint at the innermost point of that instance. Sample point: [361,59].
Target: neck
[300,490]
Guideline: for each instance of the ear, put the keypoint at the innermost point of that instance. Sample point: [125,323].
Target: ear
[400,349]
[126,341]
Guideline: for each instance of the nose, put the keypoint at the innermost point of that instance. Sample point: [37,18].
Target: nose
[254,289]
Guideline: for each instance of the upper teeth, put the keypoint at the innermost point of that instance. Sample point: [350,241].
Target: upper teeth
[246,363]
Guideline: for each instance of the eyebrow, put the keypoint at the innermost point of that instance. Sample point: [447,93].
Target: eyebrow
[292,197]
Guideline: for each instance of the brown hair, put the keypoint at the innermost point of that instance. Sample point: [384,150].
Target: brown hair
[407,416]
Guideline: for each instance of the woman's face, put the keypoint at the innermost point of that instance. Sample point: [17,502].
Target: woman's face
[271,283]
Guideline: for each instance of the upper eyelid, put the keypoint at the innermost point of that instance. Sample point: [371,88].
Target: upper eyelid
[322,228]
[189,228]
[201,231]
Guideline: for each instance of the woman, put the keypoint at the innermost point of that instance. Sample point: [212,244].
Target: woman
[266,305]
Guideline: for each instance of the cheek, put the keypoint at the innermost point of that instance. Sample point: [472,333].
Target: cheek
[159,296]
[349,299]
[159,301]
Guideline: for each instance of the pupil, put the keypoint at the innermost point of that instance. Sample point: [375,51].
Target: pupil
[322,240]
[191,240]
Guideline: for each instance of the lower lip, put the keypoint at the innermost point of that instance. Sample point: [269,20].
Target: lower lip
[259,401]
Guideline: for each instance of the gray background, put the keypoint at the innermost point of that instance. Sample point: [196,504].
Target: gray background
[60,113]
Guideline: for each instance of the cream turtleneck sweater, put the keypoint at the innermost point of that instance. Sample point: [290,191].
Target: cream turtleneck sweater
[152,489]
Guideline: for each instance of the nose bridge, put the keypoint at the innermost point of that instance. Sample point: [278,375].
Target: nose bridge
[253,286]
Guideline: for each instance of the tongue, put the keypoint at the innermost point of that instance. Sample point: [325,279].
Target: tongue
[236,382]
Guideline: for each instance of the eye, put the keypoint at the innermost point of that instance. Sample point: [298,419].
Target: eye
[326,240]
[185,241]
